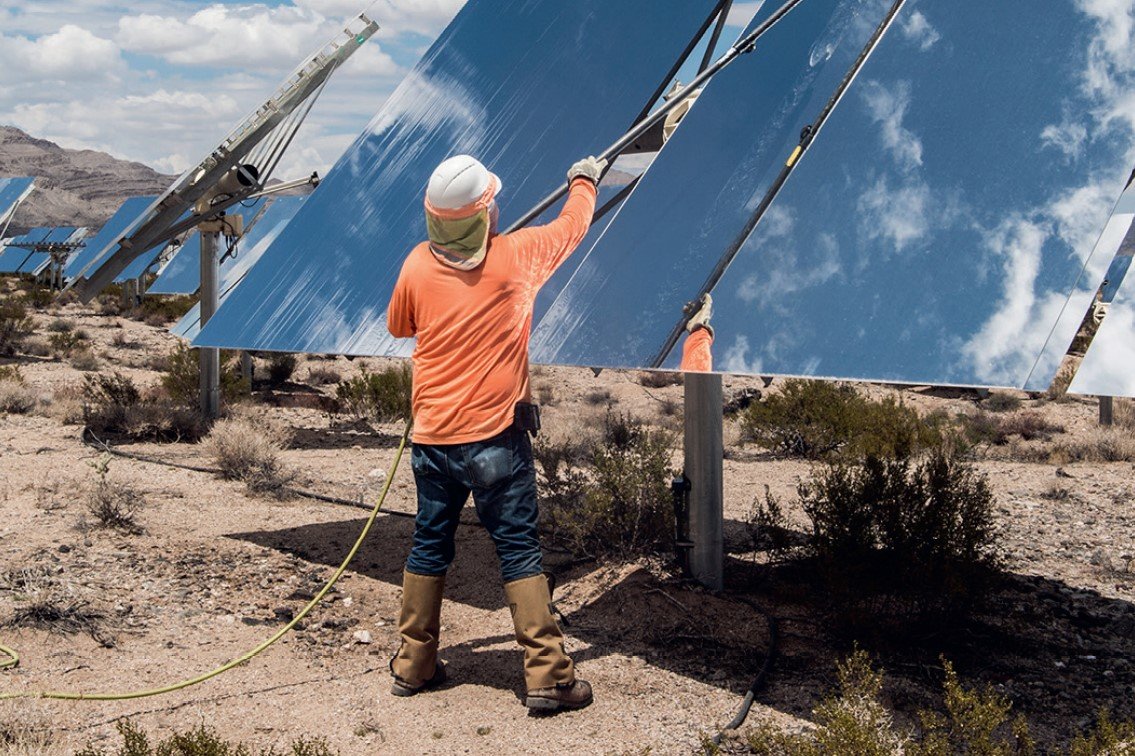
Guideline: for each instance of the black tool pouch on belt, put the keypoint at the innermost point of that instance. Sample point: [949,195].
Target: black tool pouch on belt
[527,417]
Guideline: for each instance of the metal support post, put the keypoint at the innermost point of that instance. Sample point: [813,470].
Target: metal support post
[210,358]
[246,367]
[704,460]
[1107,411]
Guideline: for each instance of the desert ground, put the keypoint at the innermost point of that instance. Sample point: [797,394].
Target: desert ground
[216,569]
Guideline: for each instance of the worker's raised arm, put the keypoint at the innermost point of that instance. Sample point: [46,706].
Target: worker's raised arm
[546,247]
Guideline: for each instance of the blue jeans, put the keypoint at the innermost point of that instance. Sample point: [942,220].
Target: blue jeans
[500,474]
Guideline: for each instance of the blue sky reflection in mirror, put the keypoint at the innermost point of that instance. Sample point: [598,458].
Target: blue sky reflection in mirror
[527,87]
[936,231]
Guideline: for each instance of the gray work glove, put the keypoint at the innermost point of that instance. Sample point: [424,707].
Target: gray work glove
[700,319]
[590,168]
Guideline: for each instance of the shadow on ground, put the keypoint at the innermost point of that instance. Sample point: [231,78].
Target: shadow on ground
[1059,653]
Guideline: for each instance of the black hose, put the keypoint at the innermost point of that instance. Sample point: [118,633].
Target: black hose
[762,676]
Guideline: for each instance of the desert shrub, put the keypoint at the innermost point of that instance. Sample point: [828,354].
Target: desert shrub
[15,326]
[815,419]
[976,721]
[597,397]
[59,325]
[546,395]
[378,397]
[987,428]
[38,297]
[561,480]
[626,507]
[46,599]
[85,360]
[25,731]
[281,367]
[1101,445]
[897,540]
[182,376]
[248,449]
[200,741]
[998,401]
[112,504]
[323,376]
[64,343]
[161,310]
[1106,737]
[659,379]
[16,397]
[113,405]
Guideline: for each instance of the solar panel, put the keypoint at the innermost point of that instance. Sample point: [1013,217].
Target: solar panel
[275,219]
[13,258]
[12,193]
[527,87]
[703,186]
[182,274]
[932,234]
[36,260]
[126,213]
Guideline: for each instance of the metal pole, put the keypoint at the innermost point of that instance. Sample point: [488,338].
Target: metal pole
[246,367]
[1107,411]
[704,455]
[210,358]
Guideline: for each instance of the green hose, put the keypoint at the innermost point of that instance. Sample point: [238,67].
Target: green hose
[67,696]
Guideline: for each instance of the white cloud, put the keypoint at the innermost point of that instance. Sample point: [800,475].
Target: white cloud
[888,109]
[918,30]
[787,277]
[1107,369]
[1068,138]
[427,17]
[70,54]
[900,215]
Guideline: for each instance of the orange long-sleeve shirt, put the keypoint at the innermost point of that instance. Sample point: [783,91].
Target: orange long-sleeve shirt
[472,327]
[697,355]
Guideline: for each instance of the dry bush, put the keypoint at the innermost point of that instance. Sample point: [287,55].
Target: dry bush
[817,419]
[113,406]
[25,730]
[546,395]
[65,343]
[598,397]
[323,376]
[998,401]
[281,368]
[659,379]
[15,326]
[16,396]
[1125,414]
[182,378]
[59,325]
[47,599]
[1101,445]
[987,428]
[610,496]
[162,310]
[378,397]
[85,361]
[200,741]
[65,405]
[111,504]
[247,449]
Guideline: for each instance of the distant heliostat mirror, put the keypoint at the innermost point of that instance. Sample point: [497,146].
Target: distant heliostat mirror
[932,234]
[527,87]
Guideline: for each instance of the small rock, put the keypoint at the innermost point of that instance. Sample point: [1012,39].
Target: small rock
[377,472]
[64,549]
[363,637]
[347,601]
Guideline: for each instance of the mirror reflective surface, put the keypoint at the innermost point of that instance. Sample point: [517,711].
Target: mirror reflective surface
[12,192]
[110,230]
[526,87]
[1108,367]
[252,247]
[182,274]
[934,231]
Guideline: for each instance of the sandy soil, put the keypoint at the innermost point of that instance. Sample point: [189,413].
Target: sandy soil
[217,570]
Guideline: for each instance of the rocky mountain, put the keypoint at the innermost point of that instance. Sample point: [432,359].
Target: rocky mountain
[73,187]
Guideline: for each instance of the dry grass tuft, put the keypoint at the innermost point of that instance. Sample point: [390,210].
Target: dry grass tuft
[24,730]
[248,448]
[1101,445]
[323,376]
[111,504]
[16,397]
[47,599]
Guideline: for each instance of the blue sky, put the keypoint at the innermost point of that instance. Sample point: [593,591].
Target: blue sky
[162,81]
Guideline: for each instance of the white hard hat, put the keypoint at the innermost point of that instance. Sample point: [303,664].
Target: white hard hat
[461,184]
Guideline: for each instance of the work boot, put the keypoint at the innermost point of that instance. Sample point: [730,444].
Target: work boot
[415,667]
[549,674]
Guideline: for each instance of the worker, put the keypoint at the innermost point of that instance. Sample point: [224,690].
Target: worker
[468,295]
[697,356]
